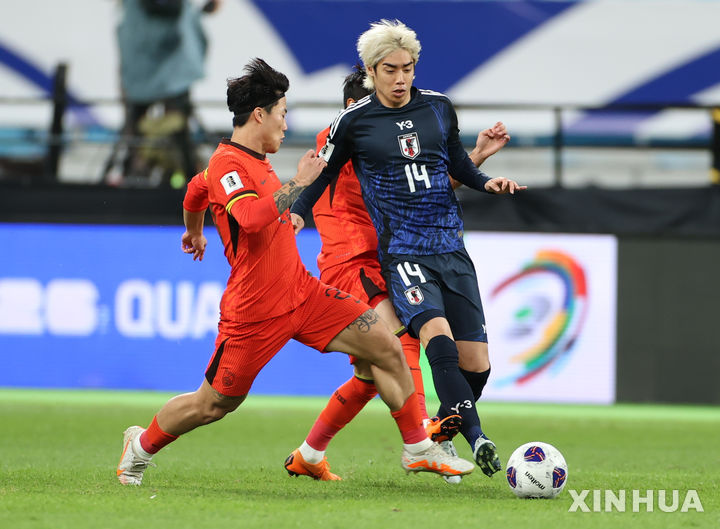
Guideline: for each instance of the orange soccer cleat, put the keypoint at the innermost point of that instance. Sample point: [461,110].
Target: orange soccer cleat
[439,430]
[296,465]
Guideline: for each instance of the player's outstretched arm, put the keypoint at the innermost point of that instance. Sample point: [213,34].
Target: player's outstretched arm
[462,169]
[489,141]
[309,168]
[193,240]
[502,185]
[305,202]
[255,214]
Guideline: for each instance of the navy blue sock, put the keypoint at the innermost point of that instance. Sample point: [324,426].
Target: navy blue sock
[477,382]
[454,391]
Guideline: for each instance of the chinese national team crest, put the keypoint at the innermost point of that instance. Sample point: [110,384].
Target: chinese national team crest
[409,145]
[414,295]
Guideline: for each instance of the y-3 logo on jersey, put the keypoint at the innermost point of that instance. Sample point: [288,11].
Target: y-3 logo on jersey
[409,145]
[407,124]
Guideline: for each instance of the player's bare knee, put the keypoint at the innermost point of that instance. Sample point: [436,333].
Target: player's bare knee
[388,353]
[362,369]
[369,339]
[213,414]
[473,356]
[220,406]
[395,346]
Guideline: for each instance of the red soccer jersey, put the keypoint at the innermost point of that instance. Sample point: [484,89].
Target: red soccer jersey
[267,277]
[341,218]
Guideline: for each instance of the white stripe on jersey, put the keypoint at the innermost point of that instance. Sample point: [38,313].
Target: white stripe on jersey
[357,104]
[431,92]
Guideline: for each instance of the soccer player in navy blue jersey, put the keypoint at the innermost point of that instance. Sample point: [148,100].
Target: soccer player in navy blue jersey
[403,142]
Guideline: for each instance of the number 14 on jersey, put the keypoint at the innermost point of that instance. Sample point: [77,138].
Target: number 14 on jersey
[415,174]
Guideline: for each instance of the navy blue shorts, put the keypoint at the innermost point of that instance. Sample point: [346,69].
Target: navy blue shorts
[423,287]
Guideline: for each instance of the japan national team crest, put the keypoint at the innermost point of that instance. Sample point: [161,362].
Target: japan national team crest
[409,145]
[414,295]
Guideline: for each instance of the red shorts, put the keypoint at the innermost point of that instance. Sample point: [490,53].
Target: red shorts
[243,349]
[360,277]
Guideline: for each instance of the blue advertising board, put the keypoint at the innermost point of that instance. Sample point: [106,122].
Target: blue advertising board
[122,307]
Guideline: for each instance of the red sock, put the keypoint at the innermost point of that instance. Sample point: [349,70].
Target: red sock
[411,348]
[153,439]
[346,403]
[409,421]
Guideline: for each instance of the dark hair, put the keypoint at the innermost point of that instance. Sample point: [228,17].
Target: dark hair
[261,86]
[353,86]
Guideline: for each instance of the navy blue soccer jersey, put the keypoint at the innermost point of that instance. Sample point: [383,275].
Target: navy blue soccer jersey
[402,157]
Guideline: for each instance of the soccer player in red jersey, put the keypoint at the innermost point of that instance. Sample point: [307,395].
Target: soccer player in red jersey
[348,260]
[270,297]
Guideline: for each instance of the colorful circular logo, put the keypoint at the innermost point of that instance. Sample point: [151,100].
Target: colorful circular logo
[548,300]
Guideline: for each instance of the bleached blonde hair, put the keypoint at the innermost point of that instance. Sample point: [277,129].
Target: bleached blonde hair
[382,39]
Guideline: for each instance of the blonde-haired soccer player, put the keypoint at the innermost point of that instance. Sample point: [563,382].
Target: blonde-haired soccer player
[403,142]
[348,260]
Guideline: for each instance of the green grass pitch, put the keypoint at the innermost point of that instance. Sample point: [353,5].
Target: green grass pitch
[58,451]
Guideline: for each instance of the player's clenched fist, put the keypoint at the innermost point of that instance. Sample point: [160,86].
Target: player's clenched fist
[309,168]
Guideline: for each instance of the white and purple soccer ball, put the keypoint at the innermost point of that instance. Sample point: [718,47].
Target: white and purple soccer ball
[536,470]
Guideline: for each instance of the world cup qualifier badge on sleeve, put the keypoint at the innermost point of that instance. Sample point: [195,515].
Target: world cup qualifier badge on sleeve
[326,152]
[231,182]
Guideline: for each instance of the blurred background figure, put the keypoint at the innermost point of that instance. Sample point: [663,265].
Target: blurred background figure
[162,48]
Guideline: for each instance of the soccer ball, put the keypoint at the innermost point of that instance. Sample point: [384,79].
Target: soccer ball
[536,470]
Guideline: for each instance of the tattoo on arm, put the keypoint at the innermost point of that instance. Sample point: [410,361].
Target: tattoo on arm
[286,195]
[365,321]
